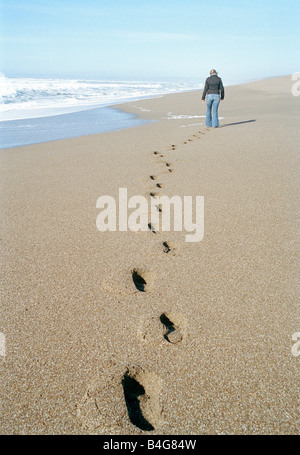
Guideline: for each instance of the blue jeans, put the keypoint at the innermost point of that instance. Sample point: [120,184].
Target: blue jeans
[212,102]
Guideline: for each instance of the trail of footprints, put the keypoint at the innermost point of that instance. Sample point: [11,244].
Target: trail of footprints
[141,389]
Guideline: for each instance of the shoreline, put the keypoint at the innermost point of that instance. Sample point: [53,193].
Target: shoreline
[65,126]
[51,122]
[77,326]
[92,94]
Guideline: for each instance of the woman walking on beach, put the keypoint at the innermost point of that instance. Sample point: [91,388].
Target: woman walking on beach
[213,91]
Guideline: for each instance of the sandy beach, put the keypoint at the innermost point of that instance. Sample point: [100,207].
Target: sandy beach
[142,332]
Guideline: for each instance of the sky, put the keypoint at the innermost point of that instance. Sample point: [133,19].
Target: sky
[149,39]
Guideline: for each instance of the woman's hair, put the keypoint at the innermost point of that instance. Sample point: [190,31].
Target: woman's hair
[213,72]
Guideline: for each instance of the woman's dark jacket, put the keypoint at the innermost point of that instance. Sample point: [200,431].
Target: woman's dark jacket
[213,85]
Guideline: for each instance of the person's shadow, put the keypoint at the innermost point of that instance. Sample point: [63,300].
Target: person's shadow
[237,123]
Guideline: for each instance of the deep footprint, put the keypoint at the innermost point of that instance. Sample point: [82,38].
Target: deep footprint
[151,227]
[141,393]
[169,247]
[142,279]
[172,332]
[152,194]
[139,282]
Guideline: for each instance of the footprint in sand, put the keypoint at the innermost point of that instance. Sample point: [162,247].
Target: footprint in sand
[119,397]
[141,393]
[153,177]
[168,328]
[153,194]
[152,228]
[168,165]
[124,281]
[142,279]
[160,185]
[173,333]
[170,248]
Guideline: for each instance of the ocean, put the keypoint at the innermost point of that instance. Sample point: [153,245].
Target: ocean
[36,110]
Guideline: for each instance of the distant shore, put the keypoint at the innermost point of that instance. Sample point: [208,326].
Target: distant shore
[141,332]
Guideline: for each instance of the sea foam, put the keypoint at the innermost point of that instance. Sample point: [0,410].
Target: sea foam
[23,98]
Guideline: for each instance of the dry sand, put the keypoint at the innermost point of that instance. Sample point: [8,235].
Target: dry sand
[207,348]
